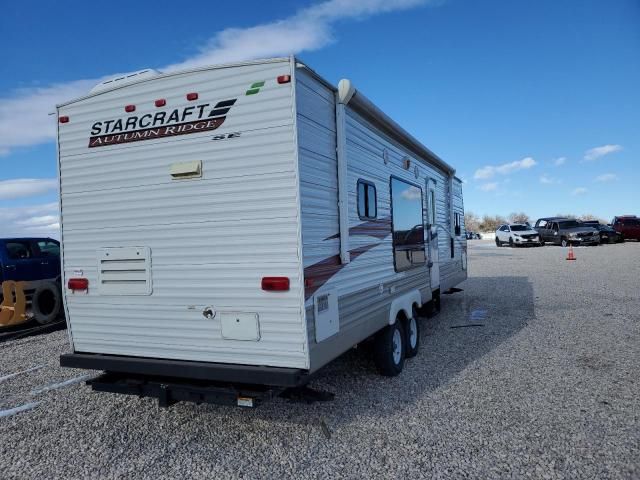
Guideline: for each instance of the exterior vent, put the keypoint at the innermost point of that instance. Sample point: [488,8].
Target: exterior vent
[124,271]
[125,79]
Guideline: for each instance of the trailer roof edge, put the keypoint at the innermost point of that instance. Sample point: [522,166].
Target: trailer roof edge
[177,72]
[357,100]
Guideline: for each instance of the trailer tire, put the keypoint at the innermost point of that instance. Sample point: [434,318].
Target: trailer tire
[412,329]
[46,303]
[390,349]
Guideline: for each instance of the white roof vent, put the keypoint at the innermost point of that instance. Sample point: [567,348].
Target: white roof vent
[125,79]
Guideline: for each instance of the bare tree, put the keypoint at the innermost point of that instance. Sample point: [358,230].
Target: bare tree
[520,217]
[583,218]
[589,216]
[490,223]
[471,222]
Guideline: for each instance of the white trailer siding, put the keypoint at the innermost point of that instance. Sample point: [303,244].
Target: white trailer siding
[367,285]
[211,239]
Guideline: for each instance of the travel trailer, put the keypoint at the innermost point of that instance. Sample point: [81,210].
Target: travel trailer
[227,231]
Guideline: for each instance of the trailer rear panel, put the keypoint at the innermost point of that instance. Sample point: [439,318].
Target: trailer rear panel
[174,219]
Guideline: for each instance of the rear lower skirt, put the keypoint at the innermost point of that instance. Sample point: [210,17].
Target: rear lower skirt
[214,372]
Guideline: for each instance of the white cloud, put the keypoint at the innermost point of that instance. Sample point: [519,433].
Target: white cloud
[490,171]
[40,221]
[412,193]
[597,152]
[26,187]
[560,161]
[547,180]
[489,187]
[35,220]
[307,30]
[606,177]
[24,115]
[579,191]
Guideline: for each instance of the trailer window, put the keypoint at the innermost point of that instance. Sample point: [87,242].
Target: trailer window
[367,200]
[407,225]
[457,227]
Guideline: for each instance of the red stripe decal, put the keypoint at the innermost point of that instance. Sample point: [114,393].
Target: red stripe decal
[320,273]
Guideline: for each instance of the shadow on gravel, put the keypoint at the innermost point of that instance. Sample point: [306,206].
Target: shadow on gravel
[502,305]
[30,328]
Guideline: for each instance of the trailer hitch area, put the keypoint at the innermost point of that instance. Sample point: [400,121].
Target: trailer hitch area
[170,391]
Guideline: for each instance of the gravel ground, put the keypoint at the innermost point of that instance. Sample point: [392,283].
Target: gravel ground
[547,387]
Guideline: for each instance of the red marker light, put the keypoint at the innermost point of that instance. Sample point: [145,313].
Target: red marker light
[78,284]
[161,102]
[130,108]
[284,79]
[275,284]
[192,96]
[64,119]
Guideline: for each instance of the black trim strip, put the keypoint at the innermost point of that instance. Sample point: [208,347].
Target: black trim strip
[219,372]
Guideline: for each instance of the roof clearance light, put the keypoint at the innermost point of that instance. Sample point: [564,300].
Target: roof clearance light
[275,284]
[130,108]
[284,79]
[78,284]
[64,119]
[192,96]
[161,102]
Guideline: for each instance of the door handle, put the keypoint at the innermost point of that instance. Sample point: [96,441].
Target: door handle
[10,267]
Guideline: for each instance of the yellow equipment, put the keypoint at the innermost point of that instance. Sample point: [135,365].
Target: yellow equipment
[14,304]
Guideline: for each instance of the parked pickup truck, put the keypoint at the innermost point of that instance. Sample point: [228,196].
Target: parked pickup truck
[29,280]
[566,231]
[628,226]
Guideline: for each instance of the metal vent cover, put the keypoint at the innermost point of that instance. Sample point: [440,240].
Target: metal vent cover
[124,271]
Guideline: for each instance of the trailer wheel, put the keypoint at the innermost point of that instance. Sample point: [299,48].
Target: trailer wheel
[412,327]
[389,350]
[46,302]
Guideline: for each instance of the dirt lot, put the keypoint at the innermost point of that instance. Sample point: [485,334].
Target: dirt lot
[545,386]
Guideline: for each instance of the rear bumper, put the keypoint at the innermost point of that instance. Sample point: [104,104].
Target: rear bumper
[181,369]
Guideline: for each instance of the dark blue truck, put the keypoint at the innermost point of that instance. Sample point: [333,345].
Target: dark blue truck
[33,266]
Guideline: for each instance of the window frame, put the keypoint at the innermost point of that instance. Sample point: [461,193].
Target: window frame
[366,183]
[393,241]
[457,224]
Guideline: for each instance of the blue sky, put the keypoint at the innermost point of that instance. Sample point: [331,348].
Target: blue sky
[536,103]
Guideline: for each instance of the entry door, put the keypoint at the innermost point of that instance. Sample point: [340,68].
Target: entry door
[432,233]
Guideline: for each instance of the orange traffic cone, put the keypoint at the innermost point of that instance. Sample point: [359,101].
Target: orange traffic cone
[571,256]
